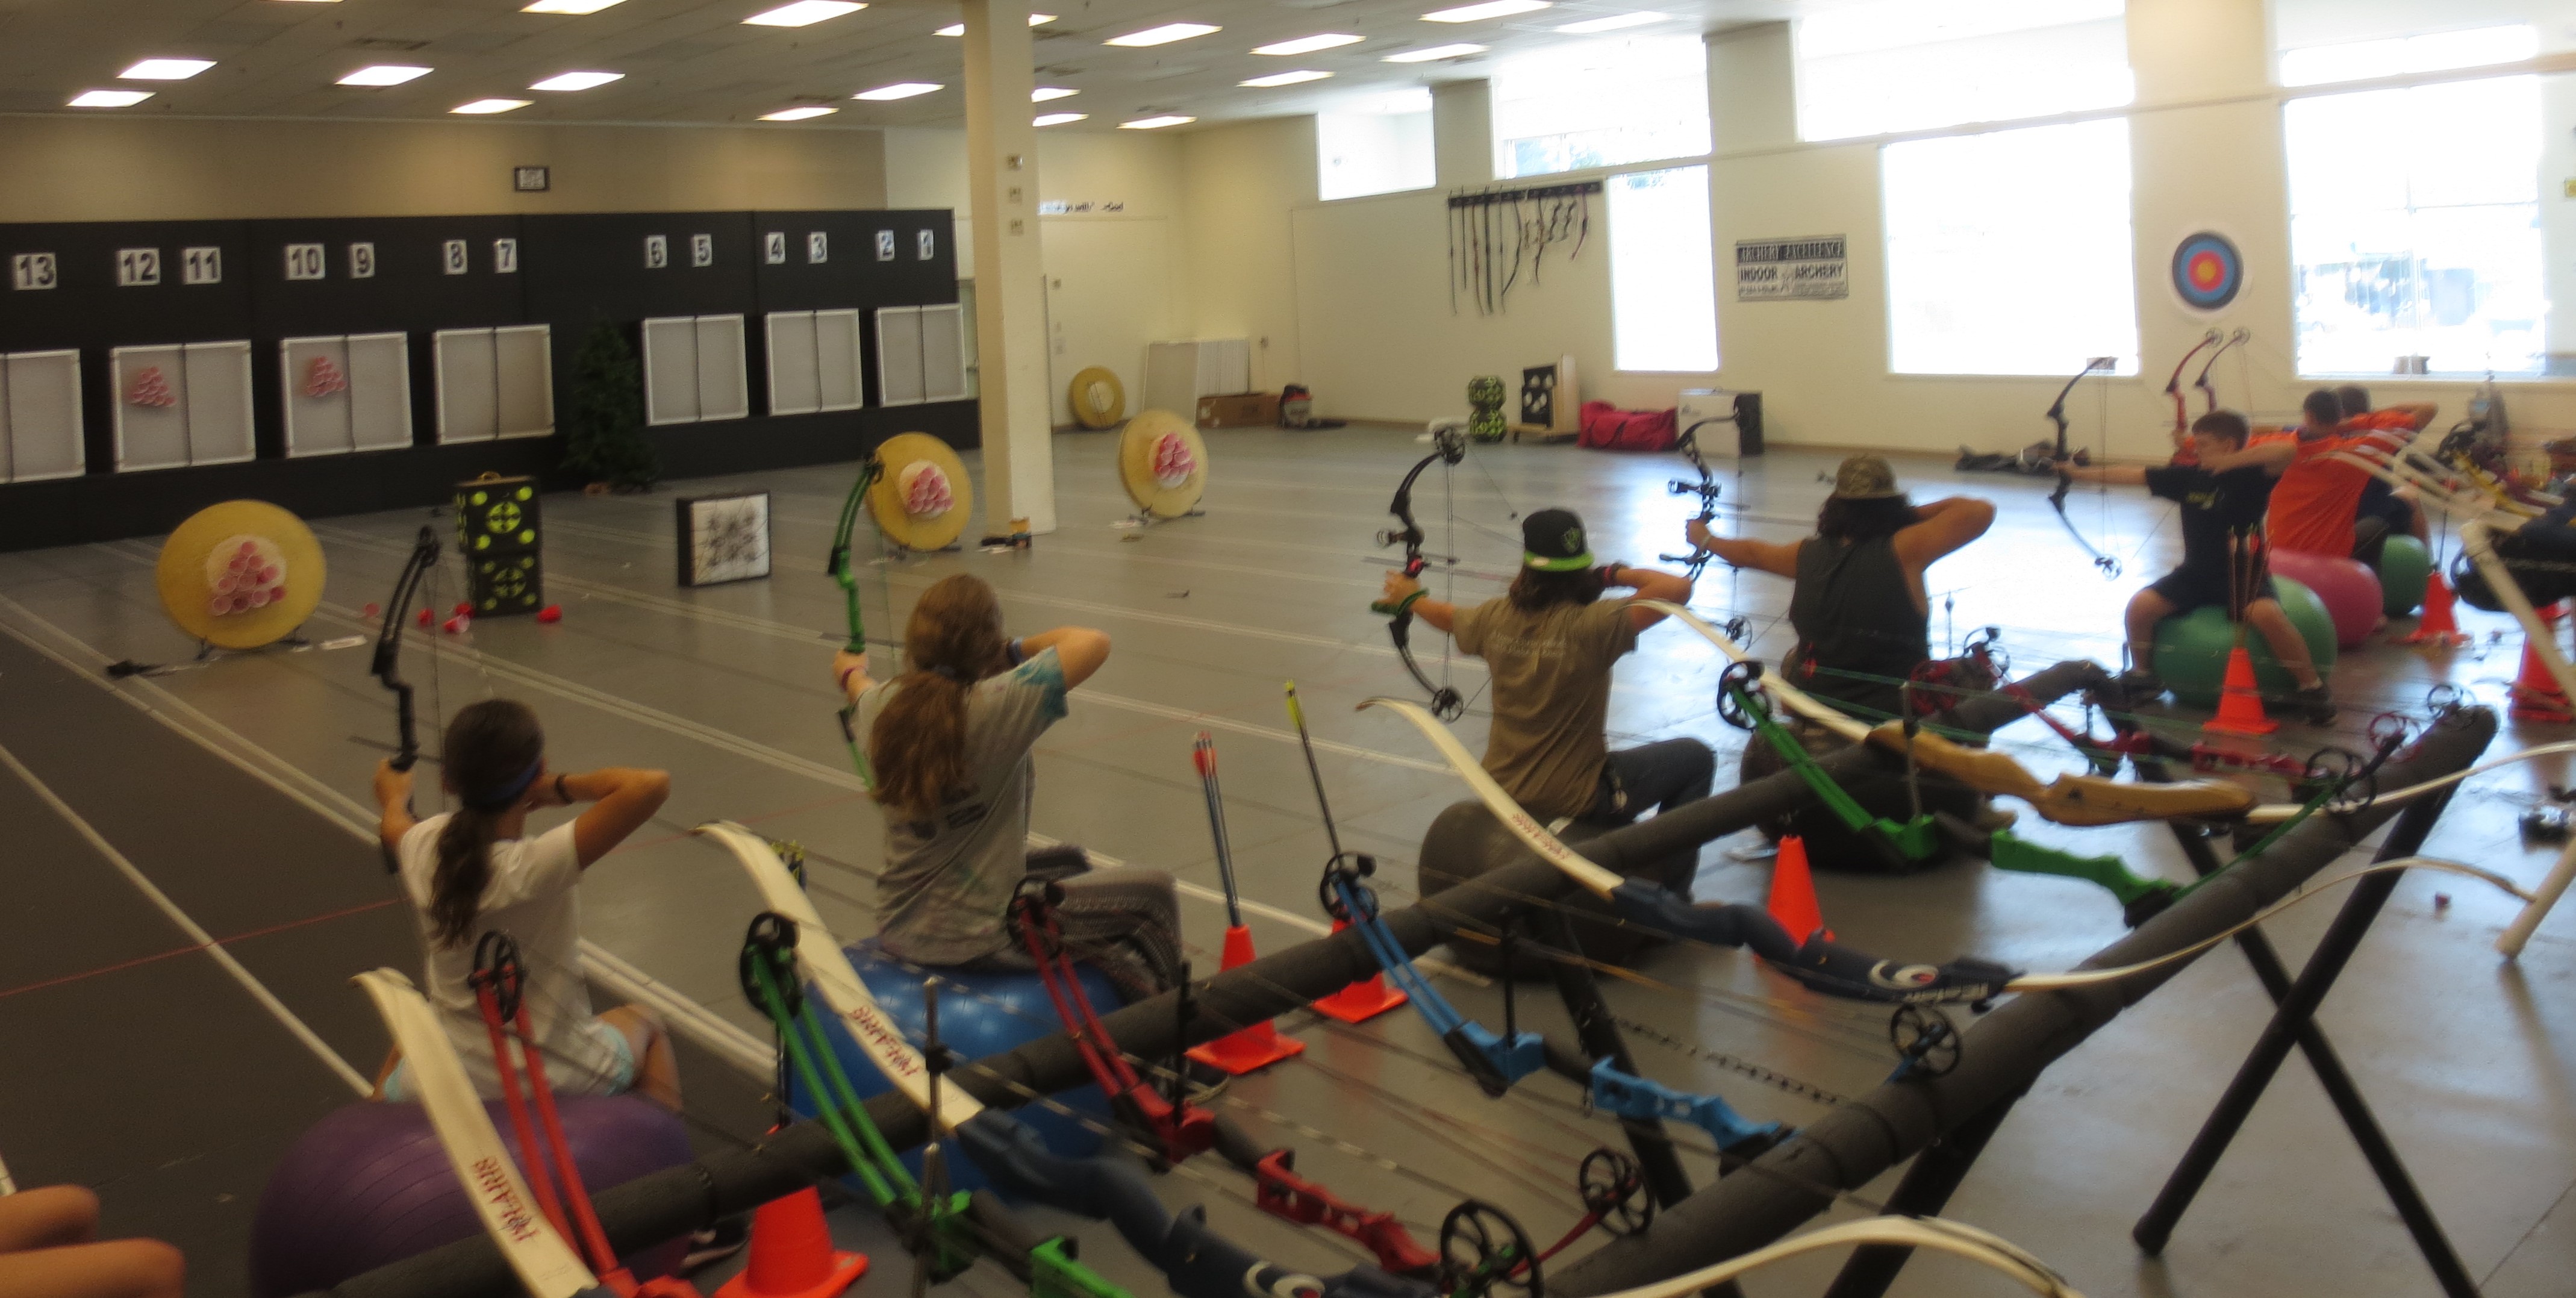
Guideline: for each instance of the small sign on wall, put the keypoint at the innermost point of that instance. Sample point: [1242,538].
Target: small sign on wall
[1811,268]
[452,257]
[773,248]
[532,180]
[925,245]
[201,265]
[885,245]
[304,261]
[362,261]
[32,270]
[818,248]
[657,251]
[138,267]
[505,256]
[702,250]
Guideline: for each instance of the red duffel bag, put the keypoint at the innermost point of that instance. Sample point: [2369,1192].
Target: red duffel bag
[1608,428]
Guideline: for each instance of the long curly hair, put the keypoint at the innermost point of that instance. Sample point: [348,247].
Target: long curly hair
[918,743]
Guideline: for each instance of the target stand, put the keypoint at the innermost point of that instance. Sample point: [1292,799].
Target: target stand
[1162,462]
[241,575]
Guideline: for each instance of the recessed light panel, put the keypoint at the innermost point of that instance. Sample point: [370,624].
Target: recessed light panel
[798,114]
[1284,79]
[1057,119]
[1163,35]
[578,81]
[165,69]
[1045,93]
[109,98]
[1435,52]
[1155,123]
[804,13]
[959,29]
[1480,12]
[899,90]
[486,107]
[567,6]
[1615,22]
[1310,44]
[383,74]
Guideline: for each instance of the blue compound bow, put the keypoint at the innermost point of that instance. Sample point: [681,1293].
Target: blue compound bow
[1494,1060]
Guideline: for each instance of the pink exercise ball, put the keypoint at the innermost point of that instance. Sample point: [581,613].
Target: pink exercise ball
[2349,589]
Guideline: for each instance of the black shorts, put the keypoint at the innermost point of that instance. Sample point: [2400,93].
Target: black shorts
[2190,588]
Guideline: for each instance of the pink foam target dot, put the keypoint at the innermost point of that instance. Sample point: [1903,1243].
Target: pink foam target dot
[463,609]
[225,585]
[257,598]
[219,604]
[1173,462]
[270,574]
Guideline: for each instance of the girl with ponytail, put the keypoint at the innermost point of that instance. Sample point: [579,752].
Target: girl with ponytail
[948,741]
[473,870]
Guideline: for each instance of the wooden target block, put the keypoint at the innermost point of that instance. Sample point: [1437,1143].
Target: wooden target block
[240,574]
[1097,398]
[923,500]
[1163,463]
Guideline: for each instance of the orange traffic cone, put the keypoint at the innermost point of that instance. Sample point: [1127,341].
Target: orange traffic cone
[2240,707]
[2438,625]
[1258,1046]
[2536,695]
[792,1254]
[1793,893]
[1363,1000]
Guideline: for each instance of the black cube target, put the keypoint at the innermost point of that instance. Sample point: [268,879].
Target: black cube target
[496,516]
[502,584]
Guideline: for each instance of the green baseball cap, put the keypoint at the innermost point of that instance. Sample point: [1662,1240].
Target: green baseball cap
[1552,541]
[1865,477]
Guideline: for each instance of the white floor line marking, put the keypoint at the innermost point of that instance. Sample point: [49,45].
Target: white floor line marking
[196,932]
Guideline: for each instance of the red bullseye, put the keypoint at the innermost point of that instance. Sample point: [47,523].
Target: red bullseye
[2208,270]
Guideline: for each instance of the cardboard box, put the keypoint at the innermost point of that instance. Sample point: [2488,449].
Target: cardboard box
[1244,410]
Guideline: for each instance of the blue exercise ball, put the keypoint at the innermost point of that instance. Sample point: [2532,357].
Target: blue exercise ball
[2192,648]
[981,1012]
[370,1184]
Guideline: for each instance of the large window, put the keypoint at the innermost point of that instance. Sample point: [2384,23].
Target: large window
[2009,253]
[2416,228]
[1884,66]
[1663,291]
[1600,104]
[1374,145]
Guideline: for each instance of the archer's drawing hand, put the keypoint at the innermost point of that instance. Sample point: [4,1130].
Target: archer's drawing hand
[1398,586]
[393,788]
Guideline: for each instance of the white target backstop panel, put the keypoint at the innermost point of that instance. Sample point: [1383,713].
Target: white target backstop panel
[345,393]
[813,361]
[181,404]
[921,354]
[494,383]
[40,416]
[694,369]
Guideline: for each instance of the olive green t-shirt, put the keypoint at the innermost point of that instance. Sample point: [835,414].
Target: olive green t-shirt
[1551,696]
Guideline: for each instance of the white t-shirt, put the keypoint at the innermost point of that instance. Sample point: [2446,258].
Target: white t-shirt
[533,897]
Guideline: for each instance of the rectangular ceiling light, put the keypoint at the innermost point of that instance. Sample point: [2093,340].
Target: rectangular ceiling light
[566,6]
[578,80]
[1480,12]
[109,98]
[1163,35]
[1045,93]
[797,114]
[804,13]
[1057,119]
[383,74]
[1284,79]
[1155,123]
[959,29]
[1435,52]
[1310,44]
[486,107]
[1614,22]
[165,69]
[899,90]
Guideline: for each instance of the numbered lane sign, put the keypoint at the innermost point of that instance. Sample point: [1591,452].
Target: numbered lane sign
[657,251]
[362,261]
[505,256]
[925,245]
[885,245]
[702,250]
[30,270]
[773,248]
[453,259]
[304,261]
[138,267]
[818,248]
[201,265]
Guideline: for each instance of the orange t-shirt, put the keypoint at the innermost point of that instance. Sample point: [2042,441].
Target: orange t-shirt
[2314,502]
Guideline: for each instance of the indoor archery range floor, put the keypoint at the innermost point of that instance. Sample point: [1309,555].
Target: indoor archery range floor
[140,1064]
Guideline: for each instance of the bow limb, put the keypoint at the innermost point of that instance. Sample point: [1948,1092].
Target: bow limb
[1706,488]
[2173,382]
[386,666]
[1520,822]
[2208,390]
[1447,447]
[838,565]
[1790,696]
[1936,1233]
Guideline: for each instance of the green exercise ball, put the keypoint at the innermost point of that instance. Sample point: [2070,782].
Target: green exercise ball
[2191,650]
[2404,567]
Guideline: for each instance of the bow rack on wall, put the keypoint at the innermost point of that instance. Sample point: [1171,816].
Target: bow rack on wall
[1493,233]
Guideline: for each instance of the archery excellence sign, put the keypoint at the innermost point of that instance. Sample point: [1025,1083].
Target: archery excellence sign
[1780,270]
[2208,271]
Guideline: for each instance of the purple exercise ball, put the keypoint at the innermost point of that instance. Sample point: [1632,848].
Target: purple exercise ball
[2349,589]
[369,1184]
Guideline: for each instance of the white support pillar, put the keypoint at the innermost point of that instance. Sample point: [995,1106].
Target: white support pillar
[1010,304]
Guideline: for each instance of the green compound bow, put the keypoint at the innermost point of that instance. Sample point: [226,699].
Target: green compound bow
[838,565]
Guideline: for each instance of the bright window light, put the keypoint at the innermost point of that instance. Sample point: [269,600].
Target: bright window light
[1285,79]
[804,13]
[568,6]
[2355,60]
[2416,229]
[1309,44]
[165,69]
[1615,22]
[1057,119]
[798,114]
[1433,53]
[1480,12]
[109,98]
[1377,144]
[1163,35]
[1156,123]
[1045,93]
[485,107]
[899,90]
[1599,104]
[1962,208]
[578,81]
[1663,286]
[383,74]
[959,29]
[1905,65]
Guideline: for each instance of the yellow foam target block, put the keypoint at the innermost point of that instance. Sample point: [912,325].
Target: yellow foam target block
[922,501]
[240,574]
[1163,463]
[1097,398]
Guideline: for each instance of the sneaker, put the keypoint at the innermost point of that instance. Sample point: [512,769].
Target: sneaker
[2313,705]
[2138,685]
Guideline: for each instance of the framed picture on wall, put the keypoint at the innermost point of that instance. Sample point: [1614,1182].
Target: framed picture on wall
[724,538]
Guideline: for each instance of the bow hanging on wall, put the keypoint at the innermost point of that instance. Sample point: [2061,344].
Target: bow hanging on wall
[1493,233]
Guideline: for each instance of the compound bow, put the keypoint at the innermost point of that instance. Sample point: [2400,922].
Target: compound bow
[1707,489]
[838,565]
[2065,481]
[1448,447]
[386,666]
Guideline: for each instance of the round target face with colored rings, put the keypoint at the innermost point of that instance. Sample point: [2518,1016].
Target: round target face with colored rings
[2208,271]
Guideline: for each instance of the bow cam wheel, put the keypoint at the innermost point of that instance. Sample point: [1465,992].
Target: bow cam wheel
[1483,1252]
[1614,1189]
[1926,1040]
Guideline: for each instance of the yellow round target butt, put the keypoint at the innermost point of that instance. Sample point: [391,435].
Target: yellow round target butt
[923,500]
[1163,463]
[1097,398]
[240,574]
